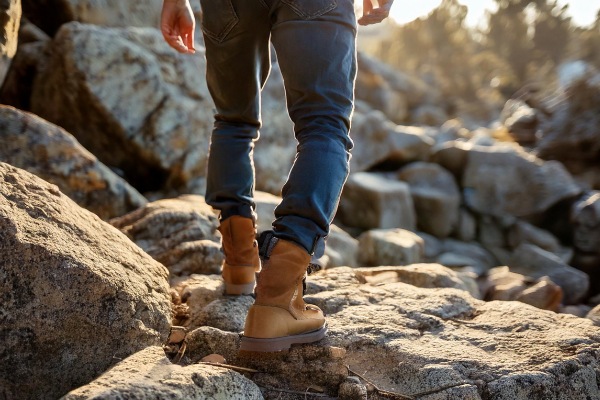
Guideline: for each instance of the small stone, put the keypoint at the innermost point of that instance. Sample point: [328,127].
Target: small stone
[352,389]
[214,358]
[177,334]
[337,352]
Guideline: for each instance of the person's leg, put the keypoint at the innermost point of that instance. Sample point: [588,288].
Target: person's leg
[236,34]
[315,44]
[317,57]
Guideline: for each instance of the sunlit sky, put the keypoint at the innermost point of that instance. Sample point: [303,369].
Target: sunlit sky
[583,12]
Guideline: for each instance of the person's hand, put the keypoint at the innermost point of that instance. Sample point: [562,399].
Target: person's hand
[177,25]
[375,15]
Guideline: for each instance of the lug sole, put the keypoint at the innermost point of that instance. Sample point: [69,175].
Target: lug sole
[281,343]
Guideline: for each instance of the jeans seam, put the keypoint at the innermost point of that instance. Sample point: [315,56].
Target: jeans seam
[332,5]
[225,31]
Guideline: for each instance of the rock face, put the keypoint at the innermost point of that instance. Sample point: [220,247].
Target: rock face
[51,14]
[570,134]
[436,196]
[10,18]
[372,200]
[180,233]
[377,141]
[426,342]
[48,151]
[76,294]
[535,262]
[503,181]
[410,340]
[149,374]
[155,128]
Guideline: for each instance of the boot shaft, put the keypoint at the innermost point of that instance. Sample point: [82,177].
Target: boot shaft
[284,267]
[239,242]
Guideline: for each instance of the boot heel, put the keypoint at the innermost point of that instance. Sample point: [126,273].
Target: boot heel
[271,345]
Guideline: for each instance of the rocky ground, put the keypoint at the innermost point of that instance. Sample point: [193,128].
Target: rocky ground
[463,262]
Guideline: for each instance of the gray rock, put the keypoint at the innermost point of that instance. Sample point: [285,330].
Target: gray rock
[436,197]
[342,249]
[458,254]
[10,13]
[207,340]
[76,294]
[377,141]
[594,315]
[535,262]
[490,177]
[18,84]
[156,128]
[524,232]
[420,275]
[466,227]
[502,284]
[412,340]
[585,224]
[570,133]
[585,218]
[521,121]
[48,151]
[227,314]
[180,233]
[51,14]
[390,247]
[371,201]
[149,374]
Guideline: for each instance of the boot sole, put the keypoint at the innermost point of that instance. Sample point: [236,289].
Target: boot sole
[281,343]
[238,290]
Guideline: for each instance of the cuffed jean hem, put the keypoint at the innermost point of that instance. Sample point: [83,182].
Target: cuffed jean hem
[299,230]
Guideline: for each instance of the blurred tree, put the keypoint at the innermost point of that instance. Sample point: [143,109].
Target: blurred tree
[587,43]
[552,32]
[522,42]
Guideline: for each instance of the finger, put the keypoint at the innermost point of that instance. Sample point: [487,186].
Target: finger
[376,16]
[367,7]
[189,42]
[177,43]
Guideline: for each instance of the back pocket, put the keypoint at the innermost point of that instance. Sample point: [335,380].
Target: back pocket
[218,18]
[309,9]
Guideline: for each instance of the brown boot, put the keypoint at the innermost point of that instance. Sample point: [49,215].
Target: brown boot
[241,255]
[279,316]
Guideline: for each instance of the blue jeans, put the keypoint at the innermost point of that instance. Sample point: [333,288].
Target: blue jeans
[315,45]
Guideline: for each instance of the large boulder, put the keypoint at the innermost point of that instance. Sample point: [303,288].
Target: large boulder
[411,341]
[48,151]
[505,180]
[534,262]
[76,294]
[18,84]
[378,141]
[180,233]
[372,200]
[390,247]
[570,133]
[585,221]
[149,374]
[51,14]
[436,197]
[10,18]
[155,128]
[424,343]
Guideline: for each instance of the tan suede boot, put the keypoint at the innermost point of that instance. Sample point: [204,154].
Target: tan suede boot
[241,255]
[279,316]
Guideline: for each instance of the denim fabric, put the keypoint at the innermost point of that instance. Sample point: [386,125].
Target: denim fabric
[315,45]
